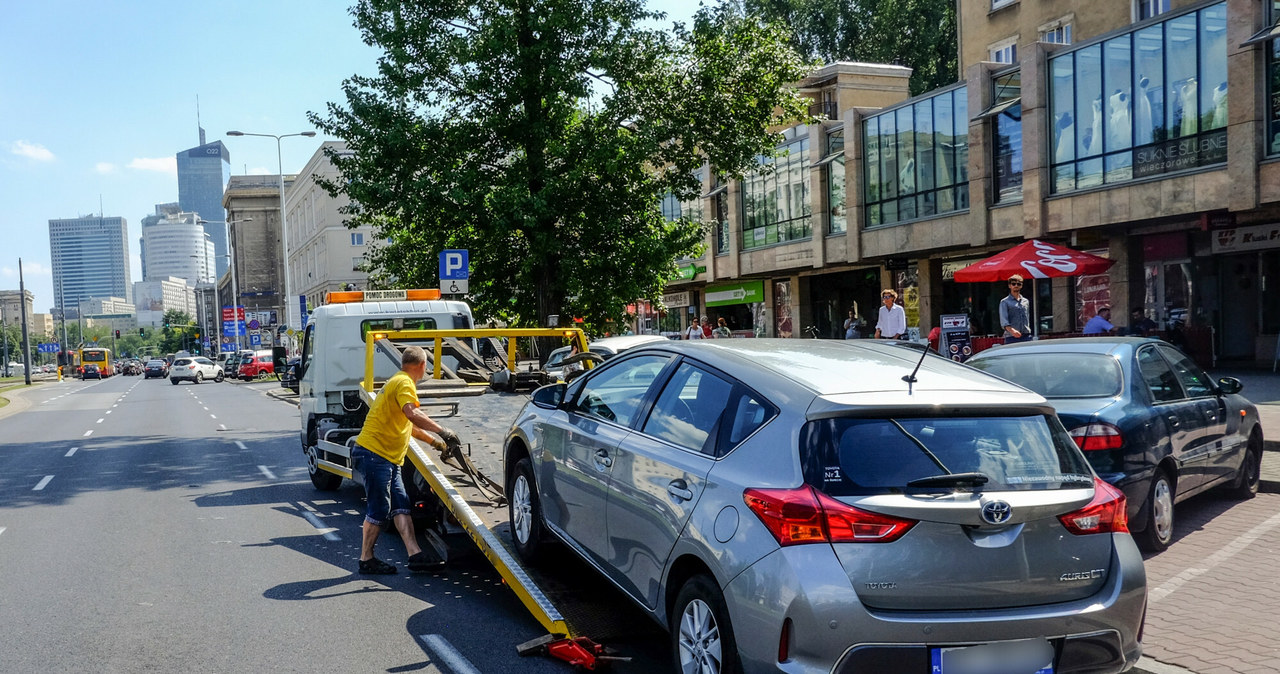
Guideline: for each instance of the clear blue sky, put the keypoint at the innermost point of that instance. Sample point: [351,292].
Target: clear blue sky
[97,96]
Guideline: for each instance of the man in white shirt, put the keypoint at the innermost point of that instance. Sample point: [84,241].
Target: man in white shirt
[893,319]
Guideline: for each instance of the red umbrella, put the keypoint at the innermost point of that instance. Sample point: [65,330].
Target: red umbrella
[1034,259]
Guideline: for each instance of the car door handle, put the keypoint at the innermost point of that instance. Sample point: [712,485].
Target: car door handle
[680,490]
[1173,421]
[602,459]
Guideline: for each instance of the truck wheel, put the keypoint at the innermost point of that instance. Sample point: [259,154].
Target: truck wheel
[323,480]
[524,511]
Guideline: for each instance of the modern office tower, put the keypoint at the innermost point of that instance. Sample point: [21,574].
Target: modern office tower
[174,244]
[203,172]
[90,258]
[153,297]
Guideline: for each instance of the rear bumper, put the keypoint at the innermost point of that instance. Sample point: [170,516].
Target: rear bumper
[833,631]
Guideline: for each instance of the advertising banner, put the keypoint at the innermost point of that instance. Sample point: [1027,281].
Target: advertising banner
[746,292]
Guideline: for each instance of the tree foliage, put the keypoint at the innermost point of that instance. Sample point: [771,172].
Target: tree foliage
[542,135]
[919,34]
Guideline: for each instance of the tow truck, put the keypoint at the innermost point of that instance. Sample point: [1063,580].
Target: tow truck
[333,403]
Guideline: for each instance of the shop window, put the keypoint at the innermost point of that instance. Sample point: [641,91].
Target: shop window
[1005,114]
[1142,104]
[776,206]
[916,159]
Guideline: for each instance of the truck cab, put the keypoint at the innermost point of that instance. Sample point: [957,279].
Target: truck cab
[332,365]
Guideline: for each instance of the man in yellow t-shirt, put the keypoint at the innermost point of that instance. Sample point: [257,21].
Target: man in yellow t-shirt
[379,456]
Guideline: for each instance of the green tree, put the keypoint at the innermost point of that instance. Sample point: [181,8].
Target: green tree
[919,34]
[541,136]
[178,332]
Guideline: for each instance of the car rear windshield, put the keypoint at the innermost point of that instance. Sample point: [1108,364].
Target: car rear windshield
[858,456]
[1058,375]
[182,361]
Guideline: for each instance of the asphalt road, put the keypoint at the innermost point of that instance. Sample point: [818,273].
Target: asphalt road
[151,527]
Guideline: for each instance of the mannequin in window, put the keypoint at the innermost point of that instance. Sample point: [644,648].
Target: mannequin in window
[1120,133]
[1093,139]
[1064,131]
[907,177]
[1189,92]
[1142,112]
[1219,106]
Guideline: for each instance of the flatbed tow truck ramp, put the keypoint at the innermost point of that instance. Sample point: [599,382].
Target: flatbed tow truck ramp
[568,609]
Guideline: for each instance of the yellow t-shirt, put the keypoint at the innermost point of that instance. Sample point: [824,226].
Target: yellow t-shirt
[386,429]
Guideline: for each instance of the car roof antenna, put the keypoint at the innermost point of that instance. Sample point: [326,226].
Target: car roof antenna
[911,378]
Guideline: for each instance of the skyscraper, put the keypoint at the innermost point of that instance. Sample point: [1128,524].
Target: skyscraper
[203,172]
[175,245]
[90,259]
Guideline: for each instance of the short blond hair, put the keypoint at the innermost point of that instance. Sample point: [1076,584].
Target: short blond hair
[889,291]
[412,355]
[1016,277]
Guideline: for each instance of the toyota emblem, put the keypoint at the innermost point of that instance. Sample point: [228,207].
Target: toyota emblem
[996,512]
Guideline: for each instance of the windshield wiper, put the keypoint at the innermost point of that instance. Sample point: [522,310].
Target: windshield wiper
[951,480]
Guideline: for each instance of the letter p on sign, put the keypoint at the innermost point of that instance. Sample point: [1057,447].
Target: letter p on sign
[453,265]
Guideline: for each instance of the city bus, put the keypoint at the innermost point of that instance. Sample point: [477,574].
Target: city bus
[97,356]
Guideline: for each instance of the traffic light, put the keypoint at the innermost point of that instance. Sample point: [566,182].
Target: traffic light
[142,332]
[197,335]
[166,324]
[117,334]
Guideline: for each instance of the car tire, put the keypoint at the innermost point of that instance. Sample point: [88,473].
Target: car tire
[701,634]
[322,480]
[524,512]
[218,378]
[1158,533]
[1250,475]
[174,381]
[199,377]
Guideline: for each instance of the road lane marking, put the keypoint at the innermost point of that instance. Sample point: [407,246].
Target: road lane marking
[240,445]
[213,416]
[267,471]
[206,409]
[329,532]
[43,483]
[109,411]
[222,426]
[1,530]
[1223,554]
[98,421]
[87,433]
[72,451]
[442,649]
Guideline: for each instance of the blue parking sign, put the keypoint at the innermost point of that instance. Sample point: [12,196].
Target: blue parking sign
[453,265]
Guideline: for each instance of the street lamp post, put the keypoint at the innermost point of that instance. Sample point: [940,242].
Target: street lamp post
[235,292]
[284,225]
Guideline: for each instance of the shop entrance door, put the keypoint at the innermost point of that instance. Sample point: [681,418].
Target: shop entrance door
[1238,277]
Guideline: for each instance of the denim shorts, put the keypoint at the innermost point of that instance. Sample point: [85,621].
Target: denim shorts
[383,487]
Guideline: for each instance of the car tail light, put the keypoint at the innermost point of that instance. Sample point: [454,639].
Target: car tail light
[1097,436]
[1104,514]
[804,515]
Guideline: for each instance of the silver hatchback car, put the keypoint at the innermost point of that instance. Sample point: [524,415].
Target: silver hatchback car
[810,505]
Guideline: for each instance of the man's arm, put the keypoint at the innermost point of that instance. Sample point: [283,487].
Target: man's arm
[1004,319]
[420,420]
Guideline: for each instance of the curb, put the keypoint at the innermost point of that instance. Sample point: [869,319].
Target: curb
[1149,666]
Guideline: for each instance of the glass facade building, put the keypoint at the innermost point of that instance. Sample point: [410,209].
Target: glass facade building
[775,206]
[90,258]
[1272,105]
[1144,103]
[203,173]
[1006,110]
[916,159]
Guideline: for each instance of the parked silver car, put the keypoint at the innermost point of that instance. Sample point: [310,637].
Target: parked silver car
[798,505]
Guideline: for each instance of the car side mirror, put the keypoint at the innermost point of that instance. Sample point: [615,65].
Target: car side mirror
[549,397]
[1230,385]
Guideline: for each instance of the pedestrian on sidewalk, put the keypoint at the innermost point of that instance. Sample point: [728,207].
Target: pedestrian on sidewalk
[1015,313]
[379,455]
[892,322]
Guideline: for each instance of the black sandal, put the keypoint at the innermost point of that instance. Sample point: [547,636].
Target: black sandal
[422,562]
[376,567]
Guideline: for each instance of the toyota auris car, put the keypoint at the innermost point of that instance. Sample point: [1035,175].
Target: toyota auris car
[825,506]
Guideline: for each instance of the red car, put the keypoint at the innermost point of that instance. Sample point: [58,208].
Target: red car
[257,367]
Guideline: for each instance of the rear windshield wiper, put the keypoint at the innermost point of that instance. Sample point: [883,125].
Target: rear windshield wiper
[951,480]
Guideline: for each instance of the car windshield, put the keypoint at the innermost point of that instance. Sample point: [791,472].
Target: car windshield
[182,361]
[856,457]
[1058,375]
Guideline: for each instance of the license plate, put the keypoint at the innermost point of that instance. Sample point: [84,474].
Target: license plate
[1027,656]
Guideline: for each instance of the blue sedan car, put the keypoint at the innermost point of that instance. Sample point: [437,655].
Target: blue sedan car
[1149,420]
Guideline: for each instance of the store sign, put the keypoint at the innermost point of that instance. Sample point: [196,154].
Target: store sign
[746,292]
[676,300]
[950,268]
[1180,154]
[1240,239]
[687,272]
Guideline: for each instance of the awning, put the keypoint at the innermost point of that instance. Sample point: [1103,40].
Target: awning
[998,108]
[1263,35]
[828,159]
